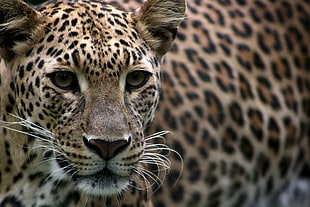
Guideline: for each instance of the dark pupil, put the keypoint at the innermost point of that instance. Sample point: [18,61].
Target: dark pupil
[137,76]
[63,79]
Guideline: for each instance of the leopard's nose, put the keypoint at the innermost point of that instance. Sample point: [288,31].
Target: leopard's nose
[106,149]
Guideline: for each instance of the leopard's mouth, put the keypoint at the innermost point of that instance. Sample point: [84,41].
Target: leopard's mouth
[103,182]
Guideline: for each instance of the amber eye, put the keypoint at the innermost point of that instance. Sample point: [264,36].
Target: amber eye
[137,79]
[64,80]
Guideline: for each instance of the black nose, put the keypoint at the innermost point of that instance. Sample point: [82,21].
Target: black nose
[106,149]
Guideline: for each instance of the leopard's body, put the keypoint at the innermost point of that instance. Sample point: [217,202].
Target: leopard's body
[235,96]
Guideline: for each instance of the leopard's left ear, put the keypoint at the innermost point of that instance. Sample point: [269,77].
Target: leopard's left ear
[18,24]
[158,20]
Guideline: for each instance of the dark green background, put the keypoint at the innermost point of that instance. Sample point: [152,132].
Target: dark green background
[35,2]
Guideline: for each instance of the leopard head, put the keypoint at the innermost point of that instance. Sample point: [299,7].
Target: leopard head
[82,80]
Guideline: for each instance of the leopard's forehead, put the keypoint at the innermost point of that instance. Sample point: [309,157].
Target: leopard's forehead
[95,38]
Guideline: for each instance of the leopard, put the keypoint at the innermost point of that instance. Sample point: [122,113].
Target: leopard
[236,99]
[79,83]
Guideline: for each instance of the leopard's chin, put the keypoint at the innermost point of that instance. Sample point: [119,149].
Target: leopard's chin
[103,183]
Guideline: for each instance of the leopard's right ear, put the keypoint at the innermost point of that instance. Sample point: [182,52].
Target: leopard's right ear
[158,21]
[18,25]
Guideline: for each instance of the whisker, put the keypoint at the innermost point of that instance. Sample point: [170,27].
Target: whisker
[30,125]
[150,179]
[157,135]
[151,175]
[157,154]
[140,175]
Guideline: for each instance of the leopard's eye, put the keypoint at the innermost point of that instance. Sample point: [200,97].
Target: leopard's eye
[64,80]
[137,79]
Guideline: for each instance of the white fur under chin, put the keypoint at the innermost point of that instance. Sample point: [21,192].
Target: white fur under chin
[98,188]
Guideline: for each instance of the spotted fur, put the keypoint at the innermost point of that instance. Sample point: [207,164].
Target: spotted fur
[236,97]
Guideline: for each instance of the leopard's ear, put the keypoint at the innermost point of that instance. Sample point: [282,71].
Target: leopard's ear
[18,24]
[158,20]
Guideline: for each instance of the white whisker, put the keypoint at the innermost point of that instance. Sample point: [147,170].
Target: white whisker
[151,149]
[155,154]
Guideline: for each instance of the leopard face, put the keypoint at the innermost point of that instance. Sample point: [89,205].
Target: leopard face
[81,83]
